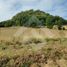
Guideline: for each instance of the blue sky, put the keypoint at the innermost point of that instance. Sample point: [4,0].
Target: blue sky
[9,8]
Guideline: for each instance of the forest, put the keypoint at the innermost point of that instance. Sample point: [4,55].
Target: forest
[34,18]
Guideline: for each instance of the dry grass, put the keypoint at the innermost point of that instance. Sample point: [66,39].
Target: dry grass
[29,47]
[22,33]
[46,53]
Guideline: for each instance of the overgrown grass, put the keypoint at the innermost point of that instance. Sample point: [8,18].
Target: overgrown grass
[20,54]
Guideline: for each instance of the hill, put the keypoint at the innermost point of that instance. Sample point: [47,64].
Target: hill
[35,18]
[25,40]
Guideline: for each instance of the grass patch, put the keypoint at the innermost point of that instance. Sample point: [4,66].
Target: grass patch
[17,54]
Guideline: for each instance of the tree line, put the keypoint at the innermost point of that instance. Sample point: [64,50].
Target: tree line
[34,18]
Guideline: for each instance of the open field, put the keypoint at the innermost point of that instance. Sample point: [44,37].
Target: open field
[23,33]
[30,47]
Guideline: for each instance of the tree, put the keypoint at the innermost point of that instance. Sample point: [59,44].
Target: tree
[49,22]
[33,22]
[59,23]
[34,18]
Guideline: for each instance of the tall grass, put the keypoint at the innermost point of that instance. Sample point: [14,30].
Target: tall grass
[16,53]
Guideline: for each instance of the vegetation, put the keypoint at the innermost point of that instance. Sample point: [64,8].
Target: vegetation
[17,54]
[31,47]
[33,18]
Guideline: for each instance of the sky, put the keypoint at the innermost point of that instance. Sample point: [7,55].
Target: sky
[9,8]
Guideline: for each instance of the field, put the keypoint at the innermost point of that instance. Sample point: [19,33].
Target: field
[33,47]
[23,33]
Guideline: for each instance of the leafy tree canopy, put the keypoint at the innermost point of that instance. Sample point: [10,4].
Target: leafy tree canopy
[33,18]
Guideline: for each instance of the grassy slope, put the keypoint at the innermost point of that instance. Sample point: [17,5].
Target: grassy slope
[22,33]
[28,47]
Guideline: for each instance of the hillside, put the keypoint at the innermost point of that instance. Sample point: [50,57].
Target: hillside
[24,33]
[32,39]
[33,47]
[34,18]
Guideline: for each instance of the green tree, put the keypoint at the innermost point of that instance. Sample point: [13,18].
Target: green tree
[40,19]
[33,22]
[49,22]
[59,23]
